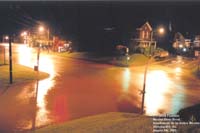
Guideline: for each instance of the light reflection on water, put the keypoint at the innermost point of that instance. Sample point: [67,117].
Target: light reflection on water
[158,90]
[126,79]
[28,57]
[128,101]
[158,84]
[157,87]
[46,65]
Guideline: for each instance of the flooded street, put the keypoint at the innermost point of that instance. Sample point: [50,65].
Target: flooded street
[78,88]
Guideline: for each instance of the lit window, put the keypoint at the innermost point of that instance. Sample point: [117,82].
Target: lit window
[147,34]
[142,34]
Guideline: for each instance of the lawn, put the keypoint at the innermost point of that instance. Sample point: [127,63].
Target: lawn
[21,74]
[113,122]
[74,54]
[196,71]
[134,59]
[138,59]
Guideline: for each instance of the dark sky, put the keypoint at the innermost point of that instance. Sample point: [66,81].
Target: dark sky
[85,23]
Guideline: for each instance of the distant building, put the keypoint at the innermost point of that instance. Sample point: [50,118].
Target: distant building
[181,42]
[196,41]
[188,43]
[144,33]
[144,38]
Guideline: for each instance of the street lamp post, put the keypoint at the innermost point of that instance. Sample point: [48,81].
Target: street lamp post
[161,31]
[10,60]
[144,85]
[36,68]
[47,34]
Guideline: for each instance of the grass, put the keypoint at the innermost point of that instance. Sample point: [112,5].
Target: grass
[74,54]
[135,59]
[138,59]
[195,72]
[20,74]
[113,122]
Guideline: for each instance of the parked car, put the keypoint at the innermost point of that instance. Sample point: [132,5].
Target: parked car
[164,54]
[161,54]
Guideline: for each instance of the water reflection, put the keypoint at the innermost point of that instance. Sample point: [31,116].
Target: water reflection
[27,57]
[129,98]
[46,65]
[126,79]
[158,85]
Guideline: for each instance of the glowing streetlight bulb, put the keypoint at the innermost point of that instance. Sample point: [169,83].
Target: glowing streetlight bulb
[6,37]
[161,30]
[41,29]
[24,33]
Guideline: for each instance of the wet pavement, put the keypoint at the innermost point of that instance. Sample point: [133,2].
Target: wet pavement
[78,88]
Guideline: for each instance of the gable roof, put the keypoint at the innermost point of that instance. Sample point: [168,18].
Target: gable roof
[146,24]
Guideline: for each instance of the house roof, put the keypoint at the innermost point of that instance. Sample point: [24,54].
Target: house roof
[146,24]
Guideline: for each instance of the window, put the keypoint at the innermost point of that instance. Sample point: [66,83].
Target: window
[147,35]
[143,34]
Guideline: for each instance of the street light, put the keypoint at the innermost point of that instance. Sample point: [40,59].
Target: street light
[24,33]
[36,68]
[160,31]
[41,29]
[6,37]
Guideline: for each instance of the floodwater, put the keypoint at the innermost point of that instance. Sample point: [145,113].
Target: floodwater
[77,88]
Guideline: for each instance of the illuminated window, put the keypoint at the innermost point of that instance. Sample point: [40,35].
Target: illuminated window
[143,34]
[147,35]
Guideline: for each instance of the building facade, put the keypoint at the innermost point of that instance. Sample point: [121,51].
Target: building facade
[144,38]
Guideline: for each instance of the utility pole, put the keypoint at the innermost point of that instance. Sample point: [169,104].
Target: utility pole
[10,60]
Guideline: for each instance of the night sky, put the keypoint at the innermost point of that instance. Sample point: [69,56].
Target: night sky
[101,25]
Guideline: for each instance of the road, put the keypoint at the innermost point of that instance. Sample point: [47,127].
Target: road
[78,88]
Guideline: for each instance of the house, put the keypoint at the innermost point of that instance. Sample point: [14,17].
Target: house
[180,42]
[188,43]
[144,38]
[196,41]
